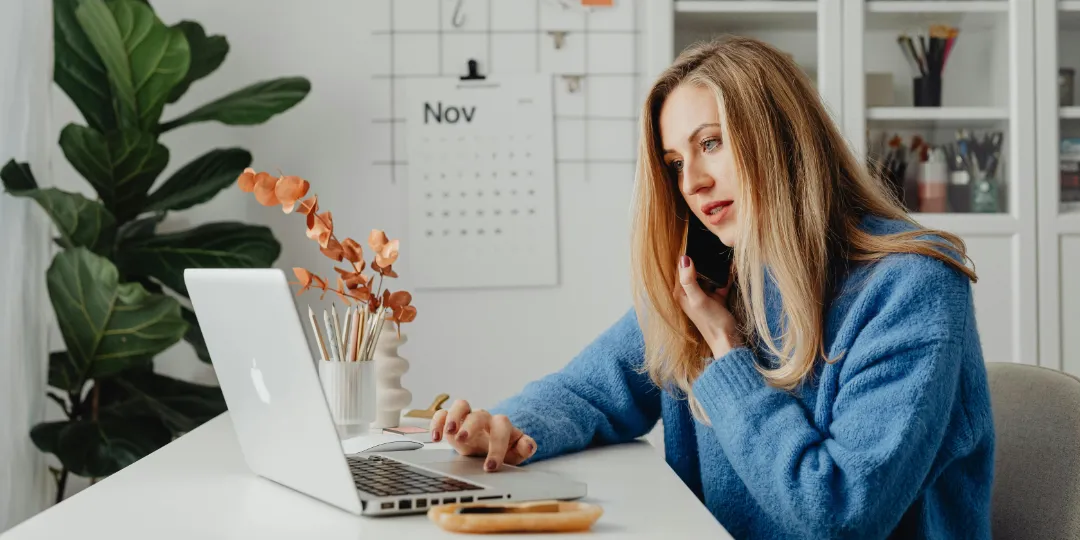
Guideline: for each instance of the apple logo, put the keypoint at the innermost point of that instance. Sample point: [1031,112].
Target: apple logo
[260,384]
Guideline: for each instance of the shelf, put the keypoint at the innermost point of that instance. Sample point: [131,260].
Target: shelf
[967,14]
[935,6]
[1069,15]
[1070,112]
[746,6]
[970,224]
[736,15]
[937,116]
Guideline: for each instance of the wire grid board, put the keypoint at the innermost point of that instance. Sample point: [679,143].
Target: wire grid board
[589,59]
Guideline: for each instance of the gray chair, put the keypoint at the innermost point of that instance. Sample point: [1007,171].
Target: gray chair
[1036,490]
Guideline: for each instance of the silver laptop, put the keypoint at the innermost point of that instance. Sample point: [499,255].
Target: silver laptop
[268,375]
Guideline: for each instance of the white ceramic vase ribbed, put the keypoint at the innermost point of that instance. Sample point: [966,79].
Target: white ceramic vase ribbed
[389,367]
[350,392]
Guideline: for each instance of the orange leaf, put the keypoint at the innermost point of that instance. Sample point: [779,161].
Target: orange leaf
[362,293]
[400,299]
[305,278]
[308,207]
[320,228]
[341,291]
[247,180]
[264,189]
[353,252]
[352,279]
[332,249]
[387,271]
[388,254]
[289,190]
[376,240]
[408,314]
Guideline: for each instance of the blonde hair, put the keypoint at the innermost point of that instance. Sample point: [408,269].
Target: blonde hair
[801,201]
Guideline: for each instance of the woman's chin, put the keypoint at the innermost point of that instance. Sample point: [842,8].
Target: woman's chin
[725,232]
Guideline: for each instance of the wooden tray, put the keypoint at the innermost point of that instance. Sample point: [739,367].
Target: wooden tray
[518,517]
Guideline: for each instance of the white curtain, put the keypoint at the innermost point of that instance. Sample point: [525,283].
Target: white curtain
[25,84]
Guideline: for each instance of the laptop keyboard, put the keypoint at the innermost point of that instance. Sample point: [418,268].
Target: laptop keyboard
[385,478]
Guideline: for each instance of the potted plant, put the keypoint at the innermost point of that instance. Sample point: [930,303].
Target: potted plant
[114,283]
[360,338]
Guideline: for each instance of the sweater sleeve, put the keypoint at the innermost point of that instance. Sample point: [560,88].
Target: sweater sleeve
[600,397]
[897,386]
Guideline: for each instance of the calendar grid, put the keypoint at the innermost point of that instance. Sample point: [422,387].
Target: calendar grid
[548,59]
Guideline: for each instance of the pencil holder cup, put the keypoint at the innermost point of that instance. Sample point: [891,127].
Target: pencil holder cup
[350,392]
[927,91]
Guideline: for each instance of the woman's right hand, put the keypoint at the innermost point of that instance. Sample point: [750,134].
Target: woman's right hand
[478,433]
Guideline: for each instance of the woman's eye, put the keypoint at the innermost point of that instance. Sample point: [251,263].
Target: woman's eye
[710,144]
[676,165]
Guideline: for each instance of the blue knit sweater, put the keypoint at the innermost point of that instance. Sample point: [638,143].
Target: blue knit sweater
[894,440]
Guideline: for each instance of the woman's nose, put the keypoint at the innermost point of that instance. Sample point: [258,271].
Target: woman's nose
[696,179]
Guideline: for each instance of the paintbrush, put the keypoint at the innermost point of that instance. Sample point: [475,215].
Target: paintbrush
[354,340]
[337,327]
[318,335]
[330,334]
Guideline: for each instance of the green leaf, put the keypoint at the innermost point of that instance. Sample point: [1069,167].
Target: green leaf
[200,180]
[103,447]
[78,70]
[250,105]
[17,176]
[81,222]
[213,245]
[139,228]
[63,374]
[181,405]
[207,54]
[121,166]
[108,326]
[46,435]
[194,335]
[144,59]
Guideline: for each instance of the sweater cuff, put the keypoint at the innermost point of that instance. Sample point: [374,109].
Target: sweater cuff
[729,380]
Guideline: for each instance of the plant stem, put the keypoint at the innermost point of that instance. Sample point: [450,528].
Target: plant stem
[94,402]
[61,484]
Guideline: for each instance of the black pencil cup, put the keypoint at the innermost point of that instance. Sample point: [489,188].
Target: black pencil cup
[927,91]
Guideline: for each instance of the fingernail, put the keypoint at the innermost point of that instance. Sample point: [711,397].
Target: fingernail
[463,435]
[529,445]
[490,465]
[684,261]
[451,427]
[435,435]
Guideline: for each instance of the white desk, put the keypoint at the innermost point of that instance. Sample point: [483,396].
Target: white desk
[198,487]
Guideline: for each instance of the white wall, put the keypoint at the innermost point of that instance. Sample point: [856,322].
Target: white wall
[461,340]
[25,30]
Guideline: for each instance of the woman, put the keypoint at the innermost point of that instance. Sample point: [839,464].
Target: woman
[835,387]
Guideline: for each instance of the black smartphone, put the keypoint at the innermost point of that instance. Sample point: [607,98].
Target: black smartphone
[711,257]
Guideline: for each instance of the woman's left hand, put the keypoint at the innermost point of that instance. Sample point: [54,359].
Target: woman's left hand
[708,311]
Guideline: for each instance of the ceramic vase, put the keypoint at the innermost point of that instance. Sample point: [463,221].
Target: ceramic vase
[391,397]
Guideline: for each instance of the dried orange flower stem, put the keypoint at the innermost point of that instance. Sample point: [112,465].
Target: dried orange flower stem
[352,284]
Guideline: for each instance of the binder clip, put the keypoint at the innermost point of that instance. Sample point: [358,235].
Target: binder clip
[474,72]
[573,82]
[559,36]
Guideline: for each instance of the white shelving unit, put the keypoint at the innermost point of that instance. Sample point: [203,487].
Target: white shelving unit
[1057,45]
[808,29]
[987,85]
[981,90]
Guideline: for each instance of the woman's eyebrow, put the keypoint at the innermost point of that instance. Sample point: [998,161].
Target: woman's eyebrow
[695,133]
